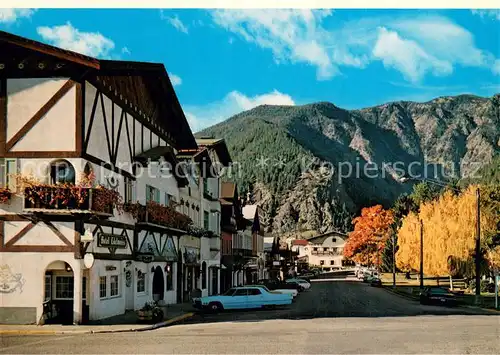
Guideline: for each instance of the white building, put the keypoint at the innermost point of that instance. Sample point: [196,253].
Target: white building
[324,251]
[63,114]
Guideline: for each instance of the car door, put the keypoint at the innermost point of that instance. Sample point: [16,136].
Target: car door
[239,299]
[255,298]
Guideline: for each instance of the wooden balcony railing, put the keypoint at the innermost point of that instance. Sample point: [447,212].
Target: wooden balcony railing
[158,214]
[327,252]
[73,198]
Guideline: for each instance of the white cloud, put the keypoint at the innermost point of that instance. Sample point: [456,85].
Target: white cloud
[496,67]
[9,16]
[66,36]
[175,79]
[200,117]
[291,35]
[415,46]
[493,14]
[407,56]
[175,21]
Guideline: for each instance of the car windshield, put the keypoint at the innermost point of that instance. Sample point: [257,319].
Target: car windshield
[438,291]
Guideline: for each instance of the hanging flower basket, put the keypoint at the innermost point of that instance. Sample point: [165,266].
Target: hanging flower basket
[5,195]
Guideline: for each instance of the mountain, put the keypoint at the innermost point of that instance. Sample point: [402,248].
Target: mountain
[285,155]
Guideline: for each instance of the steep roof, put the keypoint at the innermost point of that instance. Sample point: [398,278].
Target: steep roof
[143,89]
[220,147]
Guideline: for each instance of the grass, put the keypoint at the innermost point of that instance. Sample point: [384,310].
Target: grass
[411,288]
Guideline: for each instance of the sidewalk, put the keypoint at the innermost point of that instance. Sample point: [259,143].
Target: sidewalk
[127,322]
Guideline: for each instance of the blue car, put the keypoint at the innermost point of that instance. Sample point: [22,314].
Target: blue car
[246,297]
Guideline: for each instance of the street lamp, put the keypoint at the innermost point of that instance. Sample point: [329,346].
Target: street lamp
[477,257]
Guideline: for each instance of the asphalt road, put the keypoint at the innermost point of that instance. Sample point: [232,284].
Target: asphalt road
[332,317]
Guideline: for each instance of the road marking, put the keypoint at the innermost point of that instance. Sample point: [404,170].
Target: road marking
[50,338]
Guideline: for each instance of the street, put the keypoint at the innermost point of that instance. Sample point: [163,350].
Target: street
[332,317]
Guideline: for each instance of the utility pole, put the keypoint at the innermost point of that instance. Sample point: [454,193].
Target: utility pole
[477,259]
[393,260]
[421,255]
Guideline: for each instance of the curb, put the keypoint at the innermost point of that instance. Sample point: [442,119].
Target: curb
[60,332]
[459,306]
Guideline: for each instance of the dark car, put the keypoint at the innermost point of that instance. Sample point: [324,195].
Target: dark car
[437,296]
[284,285]
[376,282]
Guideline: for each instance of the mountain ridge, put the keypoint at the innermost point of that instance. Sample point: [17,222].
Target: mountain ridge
[297,140]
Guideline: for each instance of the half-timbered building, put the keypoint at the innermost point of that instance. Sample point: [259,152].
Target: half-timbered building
[87,230]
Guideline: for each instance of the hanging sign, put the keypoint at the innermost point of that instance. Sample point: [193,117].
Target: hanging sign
[88,260]
[107,240]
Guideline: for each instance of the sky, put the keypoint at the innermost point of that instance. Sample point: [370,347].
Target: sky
[222,62]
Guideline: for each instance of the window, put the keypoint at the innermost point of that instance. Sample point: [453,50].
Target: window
[334,240]
[48,287]
[129,191]
[8,167]
[169,199]
[152,194]
[332,262]
[322,262]
[240,292]
[206,220]
[170,276]
[141,282]
[62,172]
[205,185]
[315,249]
[64,287]
[114,286]
[254,292]
[102,287]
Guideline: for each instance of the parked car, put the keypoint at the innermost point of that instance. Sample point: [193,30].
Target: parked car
[306,285]
[437,295]
[375,282]
[275,285]
[245,297]
[289,290]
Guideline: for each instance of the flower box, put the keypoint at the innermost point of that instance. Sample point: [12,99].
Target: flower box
[5,195]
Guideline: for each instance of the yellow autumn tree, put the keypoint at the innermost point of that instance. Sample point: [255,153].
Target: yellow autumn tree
[449,229]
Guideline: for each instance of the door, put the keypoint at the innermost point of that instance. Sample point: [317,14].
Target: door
[129,289]
[255,298]
[238,300]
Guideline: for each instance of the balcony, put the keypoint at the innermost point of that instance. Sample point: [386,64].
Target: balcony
[158,214]
[327,252]
[69,199]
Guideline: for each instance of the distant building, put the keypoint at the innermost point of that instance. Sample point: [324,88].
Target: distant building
[324,251]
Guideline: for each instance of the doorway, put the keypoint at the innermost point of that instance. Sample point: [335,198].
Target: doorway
[58,293]
[158,285]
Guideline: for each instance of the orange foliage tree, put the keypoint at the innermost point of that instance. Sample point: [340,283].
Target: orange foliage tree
[449,229]
[371,230]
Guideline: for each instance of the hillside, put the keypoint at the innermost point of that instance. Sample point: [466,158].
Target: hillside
[446,136]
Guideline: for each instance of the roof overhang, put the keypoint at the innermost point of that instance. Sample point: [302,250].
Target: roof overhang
[220,148]
[200,157]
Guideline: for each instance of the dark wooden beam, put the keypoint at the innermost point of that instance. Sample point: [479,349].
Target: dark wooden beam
[108,166]
[43,154]
[80,122]
[3,115]
[37,249]
[20,234]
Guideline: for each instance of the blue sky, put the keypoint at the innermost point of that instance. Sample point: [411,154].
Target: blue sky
[225,61]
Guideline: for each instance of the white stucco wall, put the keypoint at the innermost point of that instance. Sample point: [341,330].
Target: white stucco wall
[56,130]
[30,269]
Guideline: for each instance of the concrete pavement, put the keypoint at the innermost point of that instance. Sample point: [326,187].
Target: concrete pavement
[332,317]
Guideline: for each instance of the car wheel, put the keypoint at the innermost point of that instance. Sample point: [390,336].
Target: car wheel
[215,307]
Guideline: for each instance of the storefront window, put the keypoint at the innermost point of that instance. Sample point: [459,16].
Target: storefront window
[114,287]
[141,282]
[102,287]
[170,276]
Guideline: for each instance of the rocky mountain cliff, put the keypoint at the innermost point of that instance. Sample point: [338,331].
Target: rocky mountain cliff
[311,167]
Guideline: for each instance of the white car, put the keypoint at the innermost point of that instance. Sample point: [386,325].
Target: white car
[292,292]
[306,285]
